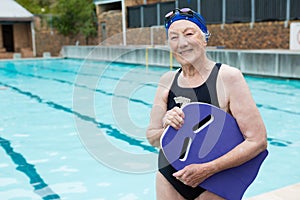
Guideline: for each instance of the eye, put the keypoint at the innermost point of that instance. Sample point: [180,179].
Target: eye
[173,37]
[189,33]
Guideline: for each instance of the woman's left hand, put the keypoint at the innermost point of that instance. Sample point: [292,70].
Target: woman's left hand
[194,174]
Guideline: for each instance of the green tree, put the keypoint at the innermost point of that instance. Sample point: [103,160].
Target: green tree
[37,6]
[75,17]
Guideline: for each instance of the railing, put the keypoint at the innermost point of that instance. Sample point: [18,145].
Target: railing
[217,11]
[277,63]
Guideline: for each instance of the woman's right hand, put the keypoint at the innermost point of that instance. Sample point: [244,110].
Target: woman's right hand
[174,118]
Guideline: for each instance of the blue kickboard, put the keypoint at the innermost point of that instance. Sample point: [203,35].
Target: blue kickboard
[219,134]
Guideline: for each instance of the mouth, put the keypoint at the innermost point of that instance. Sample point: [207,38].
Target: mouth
[183,52]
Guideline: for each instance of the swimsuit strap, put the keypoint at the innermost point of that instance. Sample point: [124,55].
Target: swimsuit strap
[211,83]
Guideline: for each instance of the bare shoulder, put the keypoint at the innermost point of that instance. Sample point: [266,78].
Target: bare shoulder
[167,78]
[230,74]
[163,88]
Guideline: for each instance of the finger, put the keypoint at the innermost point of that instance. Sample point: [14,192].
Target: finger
[178,121]
[178,174]
[174,121]
[175,112]
[174,118]
[168,119]
[194,185]
[178,111]
[175,125]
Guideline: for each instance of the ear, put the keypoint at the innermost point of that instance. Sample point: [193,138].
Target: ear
[203,42]
[203,39]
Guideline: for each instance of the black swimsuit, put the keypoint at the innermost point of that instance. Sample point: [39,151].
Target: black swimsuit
[206,93]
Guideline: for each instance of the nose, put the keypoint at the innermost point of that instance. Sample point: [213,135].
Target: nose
[182,41]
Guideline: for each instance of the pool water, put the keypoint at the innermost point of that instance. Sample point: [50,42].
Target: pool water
[75,129]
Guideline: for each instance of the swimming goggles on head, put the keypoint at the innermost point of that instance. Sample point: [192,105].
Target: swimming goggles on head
[186,14]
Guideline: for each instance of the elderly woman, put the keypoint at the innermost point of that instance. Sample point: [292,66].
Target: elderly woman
[200,80]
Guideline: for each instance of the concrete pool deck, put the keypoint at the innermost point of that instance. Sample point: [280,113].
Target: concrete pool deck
[291,192]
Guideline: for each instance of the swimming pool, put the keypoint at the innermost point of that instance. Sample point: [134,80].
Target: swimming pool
[74,129]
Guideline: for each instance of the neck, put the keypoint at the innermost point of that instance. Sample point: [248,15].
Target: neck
[202,67]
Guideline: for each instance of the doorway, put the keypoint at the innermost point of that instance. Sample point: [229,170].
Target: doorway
[103,31]
[8,38]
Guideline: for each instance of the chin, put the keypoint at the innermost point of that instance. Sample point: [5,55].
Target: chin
[184,61]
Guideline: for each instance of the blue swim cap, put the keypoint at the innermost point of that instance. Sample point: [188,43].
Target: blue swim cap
[186,14]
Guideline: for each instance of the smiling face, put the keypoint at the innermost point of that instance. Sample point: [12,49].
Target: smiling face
[187,42]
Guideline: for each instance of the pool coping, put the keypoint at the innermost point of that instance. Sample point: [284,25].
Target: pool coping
[35,58]
[291,192]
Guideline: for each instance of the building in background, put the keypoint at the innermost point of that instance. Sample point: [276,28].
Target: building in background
[234,24]
[111,18]
[16,30]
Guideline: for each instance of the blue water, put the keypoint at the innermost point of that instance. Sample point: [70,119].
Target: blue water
[73,129]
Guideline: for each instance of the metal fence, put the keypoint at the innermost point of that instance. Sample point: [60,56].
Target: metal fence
[217,11]
[276,63]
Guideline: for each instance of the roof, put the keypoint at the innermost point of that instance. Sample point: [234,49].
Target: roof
[12,11]
[97,2]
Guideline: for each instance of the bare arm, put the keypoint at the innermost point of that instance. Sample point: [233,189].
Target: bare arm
[243,108]
[159,109]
